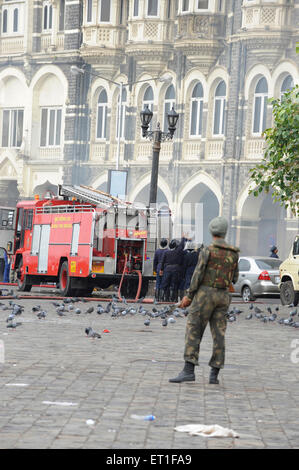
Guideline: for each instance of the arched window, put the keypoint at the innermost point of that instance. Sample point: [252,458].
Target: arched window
[287,84]
[15,20]
[4,22]
[196,110]
[121,125]
[102,115]
[152,7]
[219,107]
[260,106]
[48,9]
[169,102]
[148,99]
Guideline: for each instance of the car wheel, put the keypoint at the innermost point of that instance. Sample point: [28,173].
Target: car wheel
[247,294]
[287,294]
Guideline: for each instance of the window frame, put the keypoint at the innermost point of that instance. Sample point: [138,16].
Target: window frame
[147,9]
[104,107]
[199,113]
[263,109]
[100,3]
[47,7]
[222,100]
[171,102]
[202,9]
[12,136]
[48,125]
[89,10]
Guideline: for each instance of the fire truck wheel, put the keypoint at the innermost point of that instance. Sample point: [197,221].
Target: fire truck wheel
[23,284]
[65,280]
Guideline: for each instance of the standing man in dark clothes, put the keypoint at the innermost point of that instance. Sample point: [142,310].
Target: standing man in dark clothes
[190,262]
[159,253]
[171,268]
[273,252]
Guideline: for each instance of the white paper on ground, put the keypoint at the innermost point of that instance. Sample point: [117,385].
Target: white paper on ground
[16,385]
[213,430]
[60,403]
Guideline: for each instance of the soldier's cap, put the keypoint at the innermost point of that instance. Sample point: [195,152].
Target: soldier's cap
[218,226]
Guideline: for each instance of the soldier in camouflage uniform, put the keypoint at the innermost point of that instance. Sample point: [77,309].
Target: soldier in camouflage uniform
[209,300]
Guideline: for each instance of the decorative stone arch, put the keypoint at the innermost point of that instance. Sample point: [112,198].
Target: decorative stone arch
[199,189]
[144,181]
[259,222]
[204,178]
[8,168]
[99,181]
[13,72]
[282,70]
[252,77]
[49,70]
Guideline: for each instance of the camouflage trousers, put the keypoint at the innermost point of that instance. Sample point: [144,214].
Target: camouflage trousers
[211,306]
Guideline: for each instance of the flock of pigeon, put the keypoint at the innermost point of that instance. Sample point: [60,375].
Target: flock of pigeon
[117,308]
[270,316]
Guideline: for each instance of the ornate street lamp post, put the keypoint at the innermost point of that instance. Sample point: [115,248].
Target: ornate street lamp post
[157,136]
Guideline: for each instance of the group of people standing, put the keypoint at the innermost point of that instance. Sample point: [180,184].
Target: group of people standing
[174,264]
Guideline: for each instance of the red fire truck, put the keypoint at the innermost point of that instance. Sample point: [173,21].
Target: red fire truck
[82,239]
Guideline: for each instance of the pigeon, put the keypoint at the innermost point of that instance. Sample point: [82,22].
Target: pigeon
[232,318]
[295,324]
[100,310]
[171,320]
[56,304]
[13,324]
[273,317]
[67,301]
[291,305]
[36,308]
[108,308]
[257,310]
[293,313]
[264,319]
[269,310]
[237,311]
[60,311]
[277,309]
[249,317]
[41,314]
[91,333]
[288,321]
[251,307]
[164,322]
[90,310]
[70,307]
[77,311]
[11,317]
[147,322]
[258,315]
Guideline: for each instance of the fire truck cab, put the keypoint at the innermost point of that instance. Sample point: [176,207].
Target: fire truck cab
[83,239]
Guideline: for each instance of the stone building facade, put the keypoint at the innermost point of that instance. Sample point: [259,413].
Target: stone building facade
[224,58]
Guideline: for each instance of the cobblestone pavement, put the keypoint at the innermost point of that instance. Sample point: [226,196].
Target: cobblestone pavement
[55,378]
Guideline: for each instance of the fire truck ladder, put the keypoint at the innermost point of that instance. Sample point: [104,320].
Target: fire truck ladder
[93,196]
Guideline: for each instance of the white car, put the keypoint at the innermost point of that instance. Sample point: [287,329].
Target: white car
[258,277]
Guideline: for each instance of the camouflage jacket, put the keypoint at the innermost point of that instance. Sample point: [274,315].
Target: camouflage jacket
[217,267]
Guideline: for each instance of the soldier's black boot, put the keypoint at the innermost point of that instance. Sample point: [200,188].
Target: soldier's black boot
[160,295]
[214,375]
[186,375]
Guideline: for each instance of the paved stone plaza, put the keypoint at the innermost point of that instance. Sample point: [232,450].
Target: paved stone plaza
[126,372]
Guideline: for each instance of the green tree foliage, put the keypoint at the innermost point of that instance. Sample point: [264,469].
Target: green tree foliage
[279,168]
